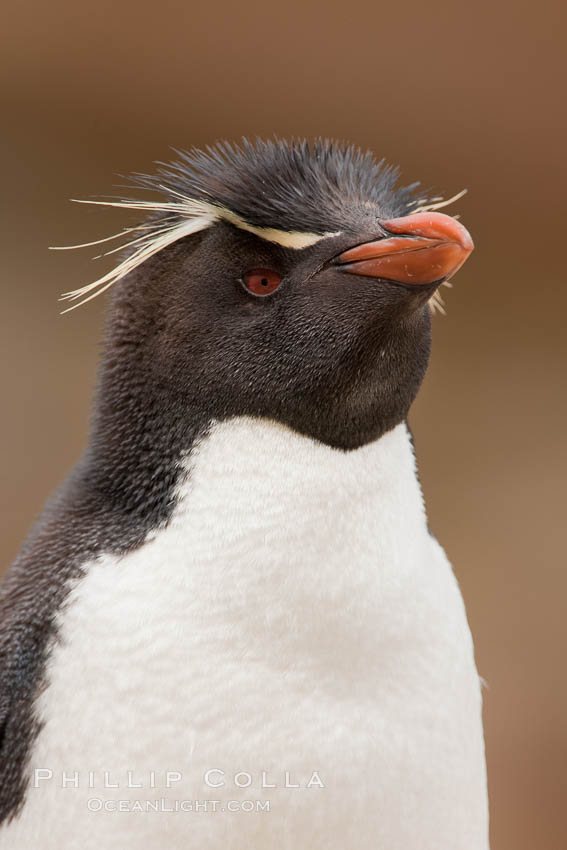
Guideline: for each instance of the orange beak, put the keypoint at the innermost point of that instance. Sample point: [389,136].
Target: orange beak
[431,247]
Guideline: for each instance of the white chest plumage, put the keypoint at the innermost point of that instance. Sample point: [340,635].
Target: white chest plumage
[293,625]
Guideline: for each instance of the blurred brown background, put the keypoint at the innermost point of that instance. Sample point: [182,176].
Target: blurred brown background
[457,94]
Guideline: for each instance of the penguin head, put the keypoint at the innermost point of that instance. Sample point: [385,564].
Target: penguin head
[285,281]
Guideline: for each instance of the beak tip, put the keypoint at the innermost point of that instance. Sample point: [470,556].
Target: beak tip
[432,225]
[467,242]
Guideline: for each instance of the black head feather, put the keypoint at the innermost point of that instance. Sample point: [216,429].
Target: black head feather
[321,187]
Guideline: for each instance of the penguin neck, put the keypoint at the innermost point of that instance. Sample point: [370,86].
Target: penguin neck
[257,468]
[155,458]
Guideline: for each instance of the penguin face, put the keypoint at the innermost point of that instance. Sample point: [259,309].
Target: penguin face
[305,300]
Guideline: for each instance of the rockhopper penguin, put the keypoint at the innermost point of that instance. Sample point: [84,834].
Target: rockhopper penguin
[231,628]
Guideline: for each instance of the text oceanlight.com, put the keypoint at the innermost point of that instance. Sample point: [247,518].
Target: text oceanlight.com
[96,804]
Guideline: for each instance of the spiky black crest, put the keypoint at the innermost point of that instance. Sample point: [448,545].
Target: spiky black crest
[293,185]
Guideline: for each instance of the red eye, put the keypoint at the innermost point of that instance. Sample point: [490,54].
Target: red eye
[261,281]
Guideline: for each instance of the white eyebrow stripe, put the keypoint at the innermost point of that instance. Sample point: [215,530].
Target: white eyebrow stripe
[287,238]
